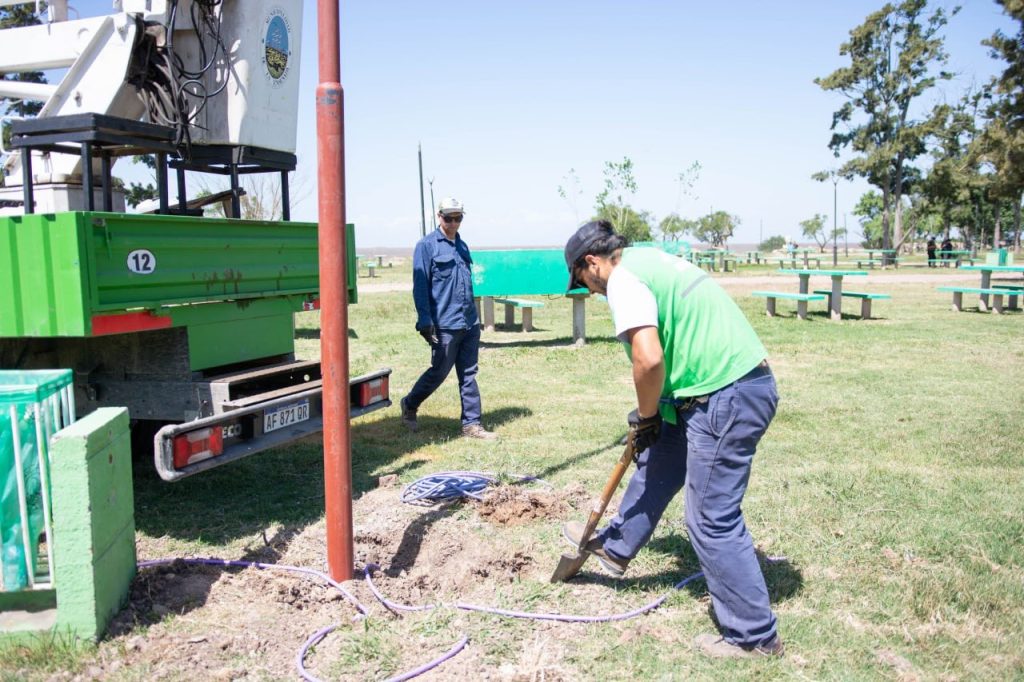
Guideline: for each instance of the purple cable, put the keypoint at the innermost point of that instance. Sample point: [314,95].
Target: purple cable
[317,636]
[274,567]
[390,605]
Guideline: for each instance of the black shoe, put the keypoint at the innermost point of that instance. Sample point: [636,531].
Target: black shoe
[408,417]
[715,646]
[573,532]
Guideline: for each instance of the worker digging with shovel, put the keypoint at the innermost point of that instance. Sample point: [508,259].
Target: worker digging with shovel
[705,396]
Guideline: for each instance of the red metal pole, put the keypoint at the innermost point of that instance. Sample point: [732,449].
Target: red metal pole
[330,130]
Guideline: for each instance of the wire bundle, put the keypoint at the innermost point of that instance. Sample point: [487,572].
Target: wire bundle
[447,485]
[165,85]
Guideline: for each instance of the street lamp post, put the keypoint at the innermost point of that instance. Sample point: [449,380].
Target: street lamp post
[835,218]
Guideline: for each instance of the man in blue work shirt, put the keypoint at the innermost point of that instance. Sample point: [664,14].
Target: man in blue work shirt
[442,288]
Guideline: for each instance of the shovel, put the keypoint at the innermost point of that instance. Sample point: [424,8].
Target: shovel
[570,564]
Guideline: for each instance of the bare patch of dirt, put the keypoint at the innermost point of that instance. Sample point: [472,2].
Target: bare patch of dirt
[511,506]
[187,621]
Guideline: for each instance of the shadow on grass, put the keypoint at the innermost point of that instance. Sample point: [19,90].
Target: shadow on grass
[561,341]
[284,486]
[784,580]
[576,459]
[408,550]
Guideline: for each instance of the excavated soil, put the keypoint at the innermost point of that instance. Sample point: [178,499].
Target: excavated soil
[185,621]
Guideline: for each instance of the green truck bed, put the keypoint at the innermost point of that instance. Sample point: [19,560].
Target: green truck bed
[70,274]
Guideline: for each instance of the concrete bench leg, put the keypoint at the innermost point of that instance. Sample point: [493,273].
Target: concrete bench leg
[579,320]
[769,304]
[997,304]
[510,316]
[865,308]
[958,301]
[1011,303]
[801,309]
[527,319]
[488,313]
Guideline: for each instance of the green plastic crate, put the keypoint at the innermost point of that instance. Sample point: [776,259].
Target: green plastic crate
[33,406]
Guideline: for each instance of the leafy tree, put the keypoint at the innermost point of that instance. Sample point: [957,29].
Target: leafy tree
[634,225]
[619,185]
[716,228]
[814,228]
[1002,143]
[869,214]
[772,243]
[892,55]
[673,227]
[12,17]
[947,186]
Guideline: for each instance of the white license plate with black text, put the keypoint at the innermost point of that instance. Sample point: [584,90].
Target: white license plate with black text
[286,415]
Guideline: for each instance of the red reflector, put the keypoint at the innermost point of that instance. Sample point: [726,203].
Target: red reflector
[196,446]
[370,392]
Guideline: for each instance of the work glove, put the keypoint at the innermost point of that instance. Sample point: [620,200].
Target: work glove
[643,430]
[429,334]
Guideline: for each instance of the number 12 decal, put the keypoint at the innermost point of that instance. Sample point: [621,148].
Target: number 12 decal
[142,262]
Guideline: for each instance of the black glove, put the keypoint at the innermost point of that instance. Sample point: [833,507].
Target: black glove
[643,430]
[429,334]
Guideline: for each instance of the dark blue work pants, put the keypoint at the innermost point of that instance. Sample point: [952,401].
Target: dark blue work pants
[710,451]
[459,348]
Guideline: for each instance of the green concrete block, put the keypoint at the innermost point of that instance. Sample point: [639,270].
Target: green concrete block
[93,520]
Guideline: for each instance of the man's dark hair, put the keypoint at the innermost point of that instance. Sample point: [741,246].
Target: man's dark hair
[603,244]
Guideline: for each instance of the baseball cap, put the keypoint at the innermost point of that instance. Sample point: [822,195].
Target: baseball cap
[578,244]
[449,205]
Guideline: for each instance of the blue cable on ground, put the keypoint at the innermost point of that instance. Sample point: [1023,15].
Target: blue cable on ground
[451,485]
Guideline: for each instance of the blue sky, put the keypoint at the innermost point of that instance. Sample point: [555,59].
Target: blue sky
[505,98]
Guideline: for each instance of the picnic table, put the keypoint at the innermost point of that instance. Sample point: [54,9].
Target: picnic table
[986,278]
[836,299]
[718,255]
[944,257]
[753,257]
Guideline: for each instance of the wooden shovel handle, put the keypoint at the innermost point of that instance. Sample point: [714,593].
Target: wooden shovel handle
[609,489]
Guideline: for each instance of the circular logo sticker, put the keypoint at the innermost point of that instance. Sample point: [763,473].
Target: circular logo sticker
[276,41]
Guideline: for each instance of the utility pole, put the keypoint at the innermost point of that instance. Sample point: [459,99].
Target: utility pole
[835,217]
[423,208]
[760,232]
[846,239]
[433,210]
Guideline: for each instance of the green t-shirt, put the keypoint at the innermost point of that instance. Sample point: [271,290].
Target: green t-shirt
[707,341]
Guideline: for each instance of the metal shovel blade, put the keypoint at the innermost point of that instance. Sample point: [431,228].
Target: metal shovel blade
[568,566]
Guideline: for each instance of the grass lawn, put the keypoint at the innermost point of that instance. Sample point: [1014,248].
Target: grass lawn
[890,480]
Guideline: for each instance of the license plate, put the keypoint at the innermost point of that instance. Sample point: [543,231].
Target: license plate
[286,415]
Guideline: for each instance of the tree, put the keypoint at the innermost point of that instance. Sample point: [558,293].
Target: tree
[673,227]
[634,225]
[772,243]
[12,17]
[715,228]
[892,55]
[1002,143]
[814,228]
[619,184]
[569,190]
[869,214]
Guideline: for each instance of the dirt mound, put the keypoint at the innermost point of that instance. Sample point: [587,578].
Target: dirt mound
[512,506]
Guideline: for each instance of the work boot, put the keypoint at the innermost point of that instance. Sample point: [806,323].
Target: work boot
[573,532]
[715,646]
[478,431]
[408,417]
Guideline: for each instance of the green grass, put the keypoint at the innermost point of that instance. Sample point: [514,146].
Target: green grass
[891,479]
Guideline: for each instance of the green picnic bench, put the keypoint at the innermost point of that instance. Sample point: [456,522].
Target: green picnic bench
[997,295]
[801,301]
[1013,290]
[865,300]
[523,304]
